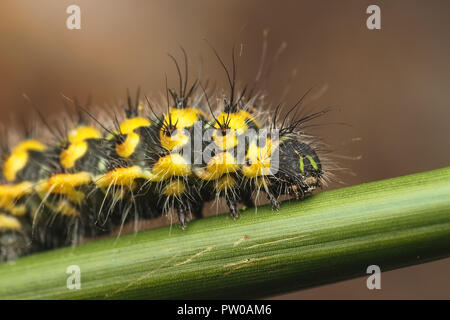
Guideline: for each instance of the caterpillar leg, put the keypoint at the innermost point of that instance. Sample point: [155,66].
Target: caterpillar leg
[273,201]
[182,211]
[232,205]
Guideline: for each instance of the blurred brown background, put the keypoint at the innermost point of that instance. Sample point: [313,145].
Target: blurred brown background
[391,85]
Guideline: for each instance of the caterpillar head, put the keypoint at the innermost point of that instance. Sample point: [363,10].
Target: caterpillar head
[286,166]
[299,169]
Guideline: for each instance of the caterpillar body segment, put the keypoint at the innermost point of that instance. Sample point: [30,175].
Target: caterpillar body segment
[22,168]
[180,132]
[127,180]
[229,135]
[13,239]
[68,201]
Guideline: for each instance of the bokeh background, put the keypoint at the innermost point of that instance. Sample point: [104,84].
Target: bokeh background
[390,86]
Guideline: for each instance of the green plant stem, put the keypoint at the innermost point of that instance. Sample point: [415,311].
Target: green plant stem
[330,236]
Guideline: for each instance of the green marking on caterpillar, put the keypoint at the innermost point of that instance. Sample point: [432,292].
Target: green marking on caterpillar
[313,163]
[302,165]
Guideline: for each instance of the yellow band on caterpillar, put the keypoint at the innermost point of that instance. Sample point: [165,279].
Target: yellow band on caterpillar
[184,118]
[63,207]
[174,188]
[19,158]
[78,145]
[259,159]
[236,124]
[225,183]
[83,133]
[181,119]
[123,177]
[66,208]
[169,166]
[219,165]
[75,151]
[127,127]
[9,194]
[15,191]
[126,149]
[9,223]
[236,120]
[174,141]
[227,141]
[65,184]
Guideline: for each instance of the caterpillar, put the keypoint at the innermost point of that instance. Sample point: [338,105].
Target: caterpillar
[147,158]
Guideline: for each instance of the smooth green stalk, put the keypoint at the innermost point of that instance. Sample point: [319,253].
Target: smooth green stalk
[330,236]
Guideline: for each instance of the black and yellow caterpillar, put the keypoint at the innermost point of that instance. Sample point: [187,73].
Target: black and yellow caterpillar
[99,176]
